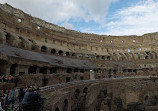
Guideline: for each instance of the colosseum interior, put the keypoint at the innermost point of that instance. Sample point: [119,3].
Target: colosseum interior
[79,71]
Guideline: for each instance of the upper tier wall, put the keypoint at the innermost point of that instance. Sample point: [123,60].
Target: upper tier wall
[16,20]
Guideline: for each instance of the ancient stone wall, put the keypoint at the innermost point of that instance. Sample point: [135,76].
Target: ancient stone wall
[128,94]
[110,56]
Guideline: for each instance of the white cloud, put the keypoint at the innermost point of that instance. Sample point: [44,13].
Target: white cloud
[135,20]
[67,26]
[63,10]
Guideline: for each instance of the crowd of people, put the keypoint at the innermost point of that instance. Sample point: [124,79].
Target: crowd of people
[10,78]
[27,99]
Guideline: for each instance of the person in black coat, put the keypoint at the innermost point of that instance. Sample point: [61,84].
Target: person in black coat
[21,94]
[31,101]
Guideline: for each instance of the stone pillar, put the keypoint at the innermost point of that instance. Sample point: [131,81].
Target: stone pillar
[38,70]
[92,77]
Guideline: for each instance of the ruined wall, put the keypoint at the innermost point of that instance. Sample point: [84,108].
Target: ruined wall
[128,94]
[112,56]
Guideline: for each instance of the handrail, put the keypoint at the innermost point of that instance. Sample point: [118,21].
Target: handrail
[54,86]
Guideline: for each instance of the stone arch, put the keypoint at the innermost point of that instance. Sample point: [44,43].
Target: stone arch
[53,51]
[153,55]
[103,57]
[60,52]
[43,49]
[53,70]
[13,69]
[76,70]
[85,90]
[77,93]
[73,54]
[8,37]
[32,69]
[57,109]
[67,53]
[108,58]
[65,108]
[69,70]
[97,57]
[146,57]
[43,70]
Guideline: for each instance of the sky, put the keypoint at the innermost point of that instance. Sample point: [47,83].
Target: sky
[104,17]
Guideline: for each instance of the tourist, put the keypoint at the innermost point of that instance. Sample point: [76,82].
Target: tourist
[21,94]
[4,78]
[27,87]
[12,98]
[33,87]
[1,107]
[1,77]
[31,101]
[5,96]
[11,79]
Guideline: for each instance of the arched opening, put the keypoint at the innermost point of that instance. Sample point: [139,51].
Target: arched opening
[114,71]
[69,70]
[53,70]
[60,52]
[103,57]
[3,65]
[85,90]
[81,78]
[73,54]
[124,70]
[77,93]
[53,51]
[146,98]
[8,37]
[43,70]
[68,79]
[97,57]
[65,108]
[108,57]
[134,70]
[129,70]
[147,53]
[105,92]
[56,109]
[32,70]
[43,49]
[82,70]
[146,57]
[75,70]
[67,53]
[13,69]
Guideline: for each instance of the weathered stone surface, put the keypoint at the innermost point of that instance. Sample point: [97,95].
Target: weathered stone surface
[125,67]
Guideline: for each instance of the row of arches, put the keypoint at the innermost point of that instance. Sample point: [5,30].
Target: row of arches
[59,52]
[101,40]
[52,70]
[129,56]
[118,56]
[111,56]
[74,106]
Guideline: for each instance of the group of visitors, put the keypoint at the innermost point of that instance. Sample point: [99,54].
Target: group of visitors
[10,78]
[27,99]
